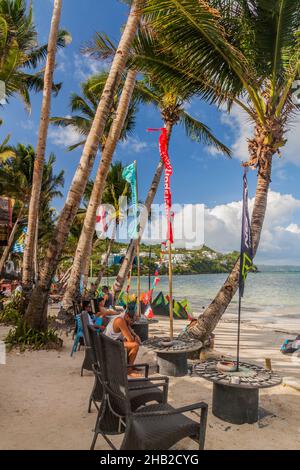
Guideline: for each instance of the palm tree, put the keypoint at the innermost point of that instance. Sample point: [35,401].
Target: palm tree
[242,52]
[6,151]
[36,314]
[88,230]
[20,53]
[152,90]
[16,175]
[170,102]
[28,258]
[84,107]
[115,188]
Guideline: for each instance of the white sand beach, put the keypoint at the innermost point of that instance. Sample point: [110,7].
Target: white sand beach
[43,399]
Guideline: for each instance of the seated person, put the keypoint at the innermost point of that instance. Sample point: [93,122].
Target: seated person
[109,300]
[103,312]
[108,297]
[119,328]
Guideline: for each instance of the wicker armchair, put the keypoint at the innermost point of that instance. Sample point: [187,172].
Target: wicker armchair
[141,391]
[153,427]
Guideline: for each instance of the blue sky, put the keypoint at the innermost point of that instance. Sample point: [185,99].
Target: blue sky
[200,175]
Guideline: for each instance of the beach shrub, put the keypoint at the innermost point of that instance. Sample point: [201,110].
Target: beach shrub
[24,337]
[13,309]
[9,315]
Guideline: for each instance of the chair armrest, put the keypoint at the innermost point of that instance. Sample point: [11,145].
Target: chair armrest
[145,366]
[148,385]
[160,377]
[184,409]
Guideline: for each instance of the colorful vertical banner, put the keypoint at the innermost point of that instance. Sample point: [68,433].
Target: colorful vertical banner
[246,240]
[19,246]
[130,175]
[163,148]
[5,220]
[101,222]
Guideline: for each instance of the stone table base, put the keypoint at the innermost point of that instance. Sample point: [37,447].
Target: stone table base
[235,405]
[172,354]
[236,392]
[172,364]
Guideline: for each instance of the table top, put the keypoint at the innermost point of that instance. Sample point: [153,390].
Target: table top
[251,376]
[179,346]
[139,322]
[145,322]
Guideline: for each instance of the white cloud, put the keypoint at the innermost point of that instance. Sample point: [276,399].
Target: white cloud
[280,241]
[239,123]
[85,66]
[61,61]
[293,228]
[27,125]
[134,145]
[64,136]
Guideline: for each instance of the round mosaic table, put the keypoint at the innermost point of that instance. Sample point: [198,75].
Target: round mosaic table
[172,355]
[236,394]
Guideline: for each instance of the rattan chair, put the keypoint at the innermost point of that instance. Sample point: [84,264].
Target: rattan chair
[89,357]
[152,427]
[141,391]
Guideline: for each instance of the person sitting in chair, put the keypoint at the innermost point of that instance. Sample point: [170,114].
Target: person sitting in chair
[119,328]
[108,297]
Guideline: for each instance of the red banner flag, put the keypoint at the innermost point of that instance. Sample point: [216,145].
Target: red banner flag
[163,148]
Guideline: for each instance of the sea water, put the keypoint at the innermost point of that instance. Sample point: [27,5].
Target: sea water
[272,295]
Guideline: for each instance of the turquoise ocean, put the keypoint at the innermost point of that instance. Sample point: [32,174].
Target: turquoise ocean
[271,295]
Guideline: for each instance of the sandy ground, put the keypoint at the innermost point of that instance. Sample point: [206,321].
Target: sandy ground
[43,399]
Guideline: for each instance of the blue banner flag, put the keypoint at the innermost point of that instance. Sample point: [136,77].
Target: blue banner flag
[246,241]
[130,175]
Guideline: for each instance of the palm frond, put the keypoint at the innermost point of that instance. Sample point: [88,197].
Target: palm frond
[201,133]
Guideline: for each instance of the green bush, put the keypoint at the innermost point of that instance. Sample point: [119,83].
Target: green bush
[9,315]
[26,338]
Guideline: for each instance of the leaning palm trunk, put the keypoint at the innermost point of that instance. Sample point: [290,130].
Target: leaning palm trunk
[104,263]
[131,251]
[36,314]
[88,229]
[208,321]
[29,253]
[86,266]
[132,248]
[10,242]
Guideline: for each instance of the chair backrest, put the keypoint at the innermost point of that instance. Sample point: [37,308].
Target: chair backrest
[85,322]
[76,308]
[95,305]
[95,345]
[114,367]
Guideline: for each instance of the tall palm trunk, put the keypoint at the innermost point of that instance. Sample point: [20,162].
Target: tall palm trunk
[10,241]
[131,251]
[208,321]
[36,314]
[86,266]
[104,263]
[28,259]
[88,229]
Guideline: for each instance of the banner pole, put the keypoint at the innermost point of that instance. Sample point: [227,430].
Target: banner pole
[239,335]
[129,286]
[149,272]
[138,251]
[171,292]
[138,281]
